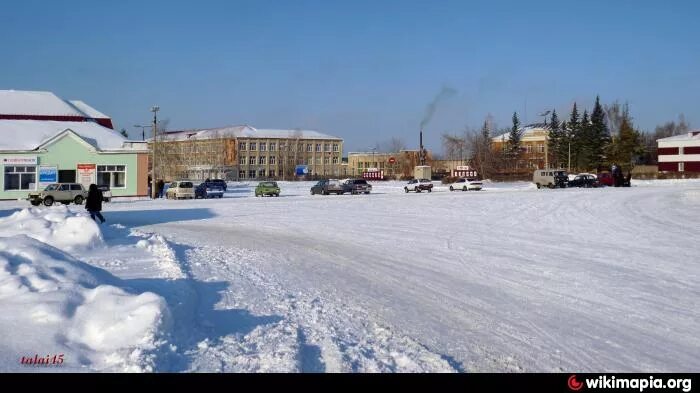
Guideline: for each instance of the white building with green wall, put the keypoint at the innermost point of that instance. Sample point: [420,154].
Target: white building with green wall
[35,153]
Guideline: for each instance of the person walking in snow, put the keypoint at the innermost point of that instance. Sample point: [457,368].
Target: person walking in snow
[93,204]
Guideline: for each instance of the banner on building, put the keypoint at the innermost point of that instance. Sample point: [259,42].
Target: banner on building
[301,170]
[19,160]
[47,175]
[87,174]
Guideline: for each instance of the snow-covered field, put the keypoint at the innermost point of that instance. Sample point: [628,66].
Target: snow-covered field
[506,279]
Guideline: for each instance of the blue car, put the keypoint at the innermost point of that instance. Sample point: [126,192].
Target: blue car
[209,190]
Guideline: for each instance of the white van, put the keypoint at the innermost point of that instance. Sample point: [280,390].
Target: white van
[550,178]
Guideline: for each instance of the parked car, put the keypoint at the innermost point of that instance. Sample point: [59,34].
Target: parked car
[419,185]
[357,186]
[209,190]
[106,193]
[552,178]
[267,188]
[59,192]
[220,182]
[584,180]
[466,184]
[331,186]
[180,190]
[606,179]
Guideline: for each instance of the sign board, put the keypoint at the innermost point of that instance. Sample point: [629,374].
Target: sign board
[47,175]
[301,170]
[87,174]
[392,160]
[373,175]
[463,168]
[19,160]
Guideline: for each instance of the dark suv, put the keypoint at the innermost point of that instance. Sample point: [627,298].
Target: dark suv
[357,186]
[218,182]
[325,187]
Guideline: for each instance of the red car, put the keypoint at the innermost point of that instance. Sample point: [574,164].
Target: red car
[606,179]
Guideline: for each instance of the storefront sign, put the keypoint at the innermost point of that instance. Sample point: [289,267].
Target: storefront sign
[301,170]
[48,175]
[87,174]
[19,160]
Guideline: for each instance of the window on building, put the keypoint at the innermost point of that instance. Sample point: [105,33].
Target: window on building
[113,176]
[335,147]
[252,146]
[251,160]
[335,160]
[242,161]
[273,160]
[326,160]
[241,174]
[318,147]
[359,164]
[540,148]
[241,146]
[20,177]
[263,147]
[326,147]
[318,160]
[528,149]
[272,173]
[273,146]
[261,173]
[261,160]
[251,174]
[309,147]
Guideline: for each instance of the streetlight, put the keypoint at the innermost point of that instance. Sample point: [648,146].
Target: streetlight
[154,109]
[568,167]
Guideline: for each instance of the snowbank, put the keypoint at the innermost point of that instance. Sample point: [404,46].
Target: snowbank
[56,307]
[55,225]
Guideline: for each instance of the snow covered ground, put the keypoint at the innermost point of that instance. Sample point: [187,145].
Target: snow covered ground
[510,278]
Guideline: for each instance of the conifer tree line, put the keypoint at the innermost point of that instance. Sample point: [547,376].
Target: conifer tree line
[584,142]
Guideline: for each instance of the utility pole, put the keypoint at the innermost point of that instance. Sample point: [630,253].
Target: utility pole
[154,181]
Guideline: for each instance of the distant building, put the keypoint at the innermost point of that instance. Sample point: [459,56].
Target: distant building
[374,165]
[244,152]
[534,148]
[680,153]
[44,105]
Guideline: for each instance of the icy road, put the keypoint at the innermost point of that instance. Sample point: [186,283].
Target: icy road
[507,279]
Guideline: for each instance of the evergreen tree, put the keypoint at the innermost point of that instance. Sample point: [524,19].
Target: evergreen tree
[514,139]
[600,134]
[572,128]
[584,142]
[555,139]
[624,149]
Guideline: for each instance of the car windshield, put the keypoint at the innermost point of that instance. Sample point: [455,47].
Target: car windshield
[267,184]
[185,184]
[51,187]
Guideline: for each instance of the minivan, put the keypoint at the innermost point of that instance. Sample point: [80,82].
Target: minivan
[550,178]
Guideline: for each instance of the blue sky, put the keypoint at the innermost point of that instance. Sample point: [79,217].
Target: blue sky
[361,70]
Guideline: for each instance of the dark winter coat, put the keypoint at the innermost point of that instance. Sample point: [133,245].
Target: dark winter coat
[94,201]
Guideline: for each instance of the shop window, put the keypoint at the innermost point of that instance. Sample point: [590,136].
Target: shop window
[113,176]
[20,178]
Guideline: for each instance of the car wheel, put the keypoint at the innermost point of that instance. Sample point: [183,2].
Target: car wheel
[48,201]
[550,185]
[78,200]
[452,188]
[465,188]
[430,189]
[35,203]
[538,185]
[417,190]
[406,189]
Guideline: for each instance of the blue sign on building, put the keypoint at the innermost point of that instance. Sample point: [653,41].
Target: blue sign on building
[48,174]
[301,170]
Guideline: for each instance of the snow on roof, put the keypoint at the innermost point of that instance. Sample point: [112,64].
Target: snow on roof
[528,130]
[18,135]
[244,131]
[689,136]
[37,103]
[89,111]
